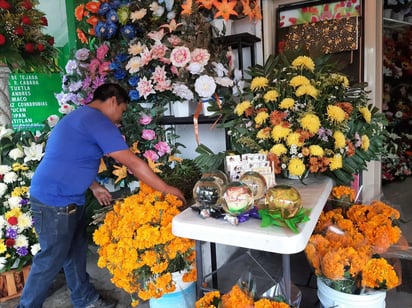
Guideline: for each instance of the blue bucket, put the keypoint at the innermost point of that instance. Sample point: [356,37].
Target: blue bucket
[184,298]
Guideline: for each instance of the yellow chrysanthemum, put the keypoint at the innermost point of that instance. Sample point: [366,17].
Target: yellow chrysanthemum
[336,113]
[307,90]
[341,78]
[339,139]
[294,139]
[296,167]
[263,134]
[271,96]
[365,142]
[3,247]
[278,149]
[279,132]
[242,107]
[304,62]
[259,83]
[287,103]
[298,81]
[366,114]
[261,117]
[16,212]
[335,162]
[316,150]
[310,122]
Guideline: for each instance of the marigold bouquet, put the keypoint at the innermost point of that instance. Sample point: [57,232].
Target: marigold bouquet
[307,118]
[137,246]
[21,153]
[347,249]
[23,46]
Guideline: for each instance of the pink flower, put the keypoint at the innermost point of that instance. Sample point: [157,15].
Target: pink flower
[158,51]
[174,40]
[200,56]
[145,119]
[162,148]
[163,86]
[152,155]
[94,65]
[145,87]
[180,56]
[148,134]
[101,52]
[104,68]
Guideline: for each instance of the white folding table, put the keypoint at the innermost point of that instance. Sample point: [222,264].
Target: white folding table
[250,234]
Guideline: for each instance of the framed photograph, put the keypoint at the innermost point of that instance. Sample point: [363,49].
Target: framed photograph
[323,27]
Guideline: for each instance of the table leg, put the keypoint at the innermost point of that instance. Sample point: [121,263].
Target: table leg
[199,269]
[286,277]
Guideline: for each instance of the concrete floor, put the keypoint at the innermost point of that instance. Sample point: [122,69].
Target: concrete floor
[398,194]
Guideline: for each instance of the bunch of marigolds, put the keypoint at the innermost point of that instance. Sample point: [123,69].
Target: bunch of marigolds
[138,248]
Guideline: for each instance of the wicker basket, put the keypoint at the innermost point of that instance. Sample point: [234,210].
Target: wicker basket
[12,283]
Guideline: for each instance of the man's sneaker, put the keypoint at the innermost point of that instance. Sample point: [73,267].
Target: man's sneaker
[103,303]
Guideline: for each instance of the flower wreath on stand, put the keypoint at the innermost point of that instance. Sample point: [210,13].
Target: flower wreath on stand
[307,118]
[21,153]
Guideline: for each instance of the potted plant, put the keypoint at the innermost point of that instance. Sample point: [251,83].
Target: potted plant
[138,248]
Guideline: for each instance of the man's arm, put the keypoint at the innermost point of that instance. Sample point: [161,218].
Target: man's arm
[142,171]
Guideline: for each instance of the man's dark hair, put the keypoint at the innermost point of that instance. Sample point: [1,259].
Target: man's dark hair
[109,90]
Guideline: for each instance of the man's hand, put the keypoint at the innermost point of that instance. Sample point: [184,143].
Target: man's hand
[102,195]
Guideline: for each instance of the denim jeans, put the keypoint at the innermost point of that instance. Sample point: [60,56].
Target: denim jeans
[64,244]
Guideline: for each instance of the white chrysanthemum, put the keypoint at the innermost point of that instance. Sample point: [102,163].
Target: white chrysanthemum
[21,241]
[134,65]
[25,221]
[3,189]
[4,169]
[33,152]
[16,153]
[195,68]
[29,174]
[35,249]
[3,261]
[205,86]
[15,202]
[10,177]
[224,81]
[183,91]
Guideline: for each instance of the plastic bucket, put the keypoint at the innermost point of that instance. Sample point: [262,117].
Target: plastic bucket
[329,298]
[183,297]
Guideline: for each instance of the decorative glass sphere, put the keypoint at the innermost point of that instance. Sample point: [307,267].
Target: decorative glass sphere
[219,176]
[283,198]
[238,198]
[207,191]
[256,182]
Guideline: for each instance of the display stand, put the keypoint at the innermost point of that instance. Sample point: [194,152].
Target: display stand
[250,234]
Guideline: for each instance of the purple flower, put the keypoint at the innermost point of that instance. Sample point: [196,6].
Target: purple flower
[22,251]
[145,119]
[11,233]
[82,54]
[86,82]
[148,134]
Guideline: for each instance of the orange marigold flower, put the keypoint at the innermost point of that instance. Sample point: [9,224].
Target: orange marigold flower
[378,273]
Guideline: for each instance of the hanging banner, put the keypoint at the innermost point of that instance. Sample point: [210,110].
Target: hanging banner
[32,99]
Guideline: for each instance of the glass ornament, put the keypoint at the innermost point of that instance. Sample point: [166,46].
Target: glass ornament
[256,182]
[207,192]
[219,176]
[238,198]
[283,198]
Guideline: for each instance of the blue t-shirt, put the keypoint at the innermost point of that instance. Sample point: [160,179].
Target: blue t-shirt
[72,156]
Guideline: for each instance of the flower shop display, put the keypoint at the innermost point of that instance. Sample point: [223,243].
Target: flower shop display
[347,250]
[23,45]
[307,118]
[138,248]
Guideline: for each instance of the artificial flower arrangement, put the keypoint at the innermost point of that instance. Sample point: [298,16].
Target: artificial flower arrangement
[349,249]
[241,295]
[232,9]
[137,246]
[23,46]
[21,153]
[307,119]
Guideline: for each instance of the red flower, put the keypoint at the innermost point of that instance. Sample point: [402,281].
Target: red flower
[4,5]
[29,47]
[19,31]
[2,39]
[10,242]
[43,21]
[26,20]
[40,47]
[27,5]
[12,220]
[50,40]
